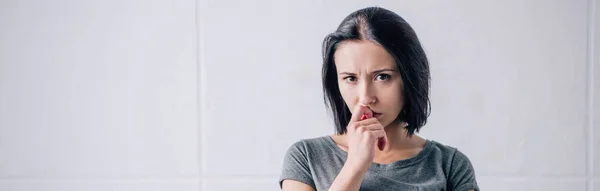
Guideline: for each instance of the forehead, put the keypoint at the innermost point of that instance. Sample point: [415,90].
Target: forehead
[359,54]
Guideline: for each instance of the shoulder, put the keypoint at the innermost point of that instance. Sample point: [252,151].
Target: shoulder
[443,148]
[314,143]
[450,158]
[457,167]
[309,145]
[448,153]
[298,163]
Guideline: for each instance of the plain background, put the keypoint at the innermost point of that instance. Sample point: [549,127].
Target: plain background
[208,95]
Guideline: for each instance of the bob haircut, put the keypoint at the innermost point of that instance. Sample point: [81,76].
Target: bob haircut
[397,37]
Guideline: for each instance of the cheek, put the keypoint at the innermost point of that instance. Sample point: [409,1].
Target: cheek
[392,92]
[393,98]
[346,92]
[399,91]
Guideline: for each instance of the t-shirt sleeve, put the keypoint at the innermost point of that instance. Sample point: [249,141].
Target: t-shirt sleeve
[462,174]
[295,165]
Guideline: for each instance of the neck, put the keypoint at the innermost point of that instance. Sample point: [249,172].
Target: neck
[399,146]
[397,138]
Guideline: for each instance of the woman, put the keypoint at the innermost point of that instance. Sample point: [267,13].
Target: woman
[376,83]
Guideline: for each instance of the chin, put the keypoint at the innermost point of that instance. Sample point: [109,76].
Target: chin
[385,123]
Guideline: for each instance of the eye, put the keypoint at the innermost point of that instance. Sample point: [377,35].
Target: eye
[383,77]
[350,78]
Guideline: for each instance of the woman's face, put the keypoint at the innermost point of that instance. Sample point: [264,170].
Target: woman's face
[368,75]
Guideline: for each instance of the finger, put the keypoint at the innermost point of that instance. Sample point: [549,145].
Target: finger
[367,127]
[377,135]
[367,122]
[373,127]
[364,116]
[358,111]
[377,129]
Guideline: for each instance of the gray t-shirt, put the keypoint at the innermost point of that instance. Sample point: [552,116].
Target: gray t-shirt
[318,161]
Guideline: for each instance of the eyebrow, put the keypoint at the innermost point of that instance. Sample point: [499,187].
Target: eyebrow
[376,71]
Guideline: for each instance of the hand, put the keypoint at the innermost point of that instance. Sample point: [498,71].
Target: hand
[364,134]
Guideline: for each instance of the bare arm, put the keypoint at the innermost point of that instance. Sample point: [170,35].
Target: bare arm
[349,178]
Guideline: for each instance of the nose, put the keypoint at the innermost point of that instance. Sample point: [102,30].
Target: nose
[366,94]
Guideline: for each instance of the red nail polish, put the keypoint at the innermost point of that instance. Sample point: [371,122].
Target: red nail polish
[363,117]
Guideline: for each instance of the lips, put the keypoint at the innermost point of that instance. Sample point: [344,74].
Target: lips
[373,113]
[376,115]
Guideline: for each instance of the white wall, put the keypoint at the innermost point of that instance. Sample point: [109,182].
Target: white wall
[207,95]
[98,95]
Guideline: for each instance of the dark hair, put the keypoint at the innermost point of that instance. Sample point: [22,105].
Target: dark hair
[391,31]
